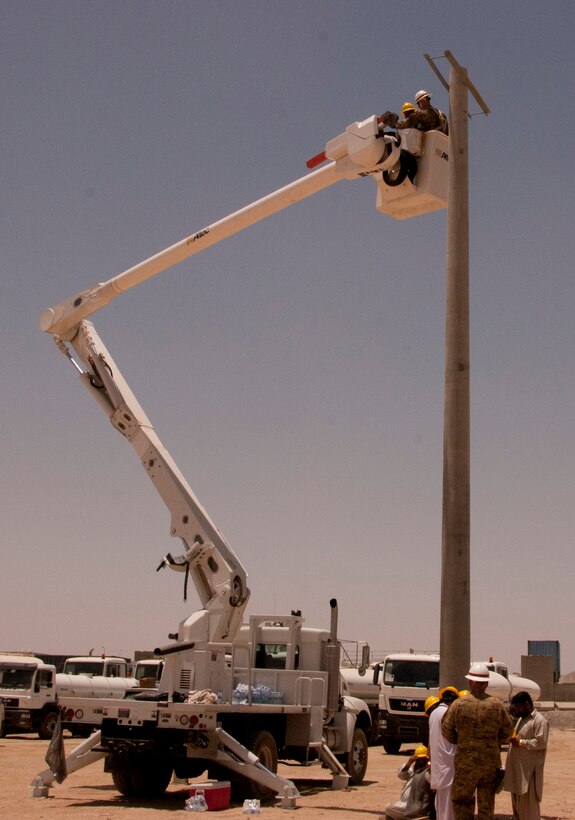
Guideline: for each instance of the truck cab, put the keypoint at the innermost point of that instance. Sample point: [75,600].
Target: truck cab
[107,667]
[148,672]
[28,690]
[407,680]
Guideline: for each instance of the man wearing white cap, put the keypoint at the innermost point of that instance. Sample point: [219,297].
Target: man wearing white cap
[478,724]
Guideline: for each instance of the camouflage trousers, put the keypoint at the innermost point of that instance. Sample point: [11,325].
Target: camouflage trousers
[474,774]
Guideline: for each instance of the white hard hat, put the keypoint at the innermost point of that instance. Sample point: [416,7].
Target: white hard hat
[421,94]
[478,672]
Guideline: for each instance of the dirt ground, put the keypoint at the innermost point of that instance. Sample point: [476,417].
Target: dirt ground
[89,793]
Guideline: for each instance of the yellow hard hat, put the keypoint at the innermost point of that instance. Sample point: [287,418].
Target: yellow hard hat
[407,108]
[463,692]
[445,689]
[431,701]
[422,751]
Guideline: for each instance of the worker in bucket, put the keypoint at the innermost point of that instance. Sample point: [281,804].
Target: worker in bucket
[432,118]
[411,117]
[408,110]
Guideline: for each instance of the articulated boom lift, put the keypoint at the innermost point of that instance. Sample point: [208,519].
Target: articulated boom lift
[145,741]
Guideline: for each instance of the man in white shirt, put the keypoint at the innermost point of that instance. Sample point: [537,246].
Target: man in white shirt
[441,753]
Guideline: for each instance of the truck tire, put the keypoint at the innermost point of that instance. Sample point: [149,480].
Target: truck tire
[391,745]
[355,761]
[263,745]
[148,777]
[47,724]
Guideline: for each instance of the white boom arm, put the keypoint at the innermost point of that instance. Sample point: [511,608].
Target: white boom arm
[217,573]
[360,151]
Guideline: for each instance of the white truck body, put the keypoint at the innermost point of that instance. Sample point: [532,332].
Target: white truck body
[274,680]
[32,692]
[28,690]
[107,666]
[406,680]
[516,682]
[94,677]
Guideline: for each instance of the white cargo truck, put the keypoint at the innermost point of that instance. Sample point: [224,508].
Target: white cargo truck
[406,680]
[107,666]
[28,690]
[32,691]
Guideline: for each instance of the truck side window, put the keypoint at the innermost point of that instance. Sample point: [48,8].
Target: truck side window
[46,678]
[271,656]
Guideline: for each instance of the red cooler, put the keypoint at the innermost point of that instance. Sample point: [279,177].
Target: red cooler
[216,792]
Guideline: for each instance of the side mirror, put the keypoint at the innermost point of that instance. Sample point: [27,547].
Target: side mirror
[376,672]
[364,660]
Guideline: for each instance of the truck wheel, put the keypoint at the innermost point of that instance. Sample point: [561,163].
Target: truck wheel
[355,761]
[145,778]
[264,746]
[391,745]
[47,724]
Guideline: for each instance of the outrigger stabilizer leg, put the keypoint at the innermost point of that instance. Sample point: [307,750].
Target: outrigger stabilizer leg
[248,764]
[81,756]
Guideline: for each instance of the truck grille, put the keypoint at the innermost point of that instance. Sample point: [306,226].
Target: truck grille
[406,705]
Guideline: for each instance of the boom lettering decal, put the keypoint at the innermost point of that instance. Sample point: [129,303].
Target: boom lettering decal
[197,236]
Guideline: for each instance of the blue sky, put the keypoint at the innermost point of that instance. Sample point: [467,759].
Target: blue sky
[295,371]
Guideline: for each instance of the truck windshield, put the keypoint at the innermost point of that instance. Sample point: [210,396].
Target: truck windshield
[84,667]
[424,674]
[16,676]
[144,670]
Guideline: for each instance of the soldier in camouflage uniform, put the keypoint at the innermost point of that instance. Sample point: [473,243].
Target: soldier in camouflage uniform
[422,120]
[427,118]
[478,723]
[433,119]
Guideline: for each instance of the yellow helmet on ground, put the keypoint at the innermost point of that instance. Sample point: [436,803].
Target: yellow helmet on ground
[422,751]
[430,703]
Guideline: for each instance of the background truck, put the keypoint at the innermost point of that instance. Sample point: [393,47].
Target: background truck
[406,680]
[106,666]
[28,689]
[32,691]
[358,682]
[148,672]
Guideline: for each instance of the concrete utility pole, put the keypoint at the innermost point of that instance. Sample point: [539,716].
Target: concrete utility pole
[455,622]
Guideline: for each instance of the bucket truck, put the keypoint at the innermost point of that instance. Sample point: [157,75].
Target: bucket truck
[233,696]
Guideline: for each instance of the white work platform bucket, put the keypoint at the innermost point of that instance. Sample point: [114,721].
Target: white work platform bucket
[428,191]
